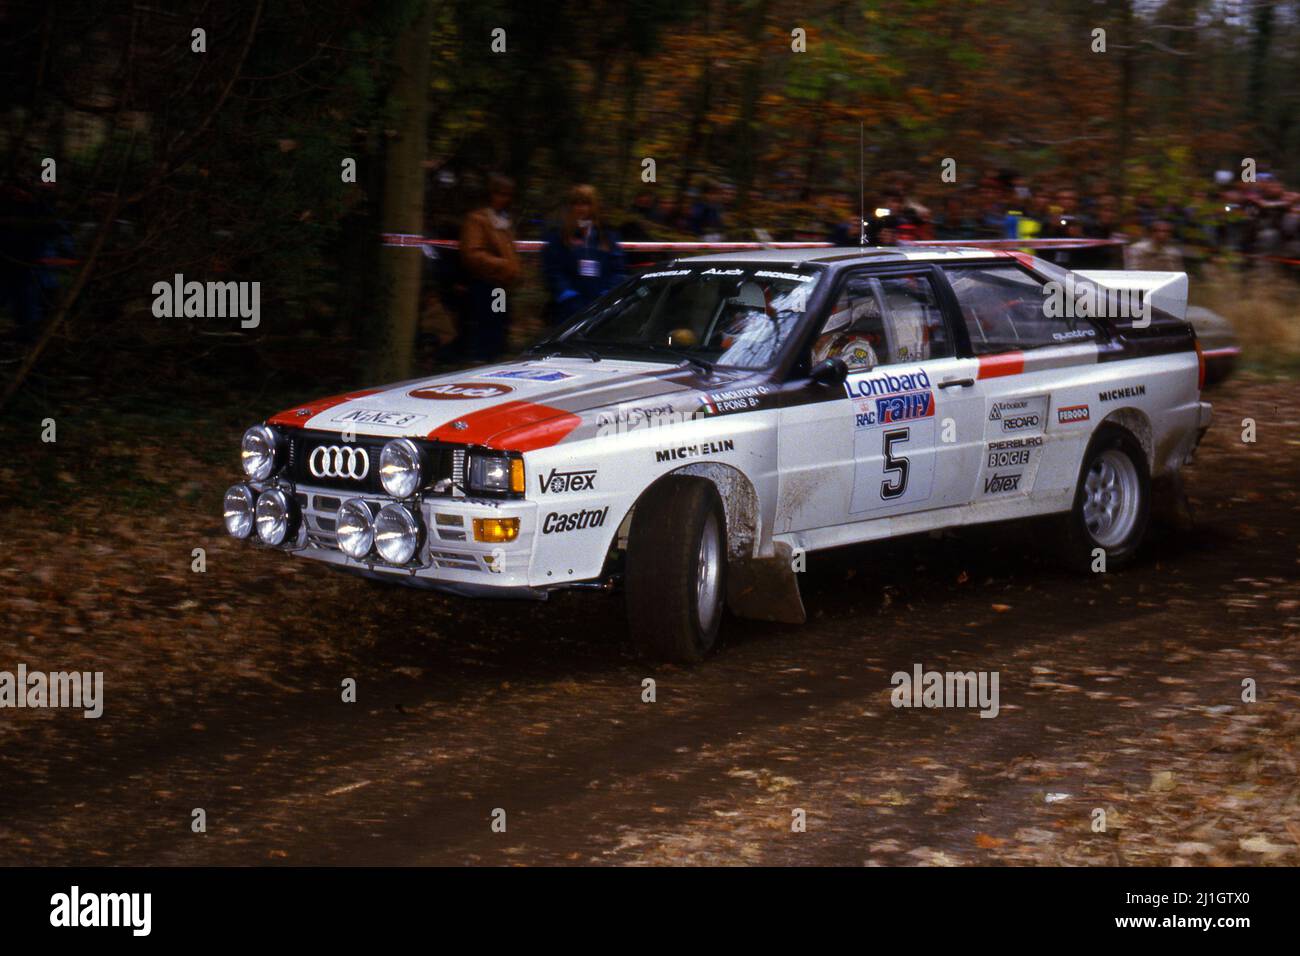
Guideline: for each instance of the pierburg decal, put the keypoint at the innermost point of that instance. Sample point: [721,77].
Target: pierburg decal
[1069,414]
[697,450]
[559,523]
[1128,391]
[557,482]
[461,391]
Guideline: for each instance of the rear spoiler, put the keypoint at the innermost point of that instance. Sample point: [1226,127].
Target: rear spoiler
[1166,291]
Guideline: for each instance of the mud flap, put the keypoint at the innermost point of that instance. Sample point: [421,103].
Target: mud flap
[1169,502]
[766,589]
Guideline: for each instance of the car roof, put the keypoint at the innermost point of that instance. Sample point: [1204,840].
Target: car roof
[842,255]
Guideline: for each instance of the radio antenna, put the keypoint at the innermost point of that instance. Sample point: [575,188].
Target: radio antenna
[862,208]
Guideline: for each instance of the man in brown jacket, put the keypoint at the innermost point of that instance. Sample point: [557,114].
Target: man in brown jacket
[491,266]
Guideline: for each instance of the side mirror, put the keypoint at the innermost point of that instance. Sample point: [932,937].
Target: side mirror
[831,371]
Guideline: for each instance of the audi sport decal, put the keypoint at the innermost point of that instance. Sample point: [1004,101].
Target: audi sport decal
[461,391]
[1069,414]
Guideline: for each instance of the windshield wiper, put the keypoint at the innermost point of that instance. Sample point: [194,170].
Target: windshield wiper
[704,365]
[560,346]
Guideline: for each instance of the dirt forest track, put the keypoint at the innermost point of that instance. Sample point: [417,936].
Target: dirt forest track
[1120,692]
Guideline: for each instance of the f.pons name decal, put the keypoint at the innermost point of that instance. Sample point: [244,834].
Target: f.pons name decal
[698,450]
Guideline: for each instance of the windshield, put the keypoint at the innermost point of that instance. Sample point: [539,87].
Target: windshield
[733,315]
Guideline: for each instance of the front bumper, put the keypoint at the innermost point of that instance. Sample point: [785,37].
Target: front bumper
[448,558]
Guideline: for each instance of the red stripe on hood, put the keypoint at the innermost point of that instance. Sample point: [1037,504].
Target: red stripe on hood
[299,415]
[996,366]
[511,426]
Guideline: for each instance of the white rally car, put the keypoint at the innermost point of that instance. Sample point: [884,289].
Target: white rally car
[705,424]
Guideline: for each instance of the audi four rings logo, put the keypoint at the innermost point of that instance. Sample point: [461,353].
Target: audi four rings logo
[332,461]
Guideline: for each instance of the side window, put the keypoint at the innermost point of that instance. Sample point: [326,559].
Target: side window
[1006,309]
[884,321]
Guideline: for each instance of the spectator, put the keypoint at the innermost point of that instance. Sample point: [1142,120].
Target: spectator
[582,259]
[706,220]
[644,218]
[1157,252]
[490,263]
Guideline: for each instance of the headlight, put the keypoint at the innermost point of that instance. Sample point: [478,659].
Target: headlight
[275,516]
[496,473]
[399,468]
[397,534]
[259,451]
[239,505]
[355,528]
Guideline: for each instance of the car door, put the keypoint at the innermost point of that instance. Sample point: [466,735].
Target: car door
[898,435]
[1033,381]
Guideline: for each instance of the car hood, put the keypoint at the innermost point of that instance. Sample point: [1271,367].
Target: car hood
[515,405]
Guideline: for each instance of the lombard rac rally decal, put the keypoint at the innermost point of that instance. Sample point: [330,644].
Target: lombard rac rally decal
[1013,446]
[893,442]
[532,374]
[462,391]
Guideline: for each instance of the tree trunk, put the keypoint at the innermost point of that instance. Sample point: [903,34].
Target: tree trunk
[403,202]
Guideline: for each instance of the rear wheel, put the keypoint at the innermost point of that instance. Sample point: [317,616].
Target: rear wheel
[676,570]
[1112,503]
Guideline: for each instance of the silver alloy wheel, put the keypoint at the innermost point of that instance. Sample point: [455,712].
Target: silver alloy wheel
[708,582]
[1111,491]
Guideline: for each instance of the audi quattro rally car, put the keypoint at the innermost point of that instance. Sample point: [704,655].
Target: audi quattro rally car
[702,423]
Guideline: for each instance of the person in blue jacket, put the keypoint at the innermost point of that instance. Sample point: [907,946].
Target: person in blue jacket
[582,259]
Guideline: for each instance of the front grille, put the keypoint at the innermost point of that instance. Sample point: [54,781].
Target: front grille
[443,463]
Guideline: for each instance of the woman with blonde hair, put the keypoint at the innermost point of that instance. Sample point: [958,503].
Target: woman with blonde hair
[582,259]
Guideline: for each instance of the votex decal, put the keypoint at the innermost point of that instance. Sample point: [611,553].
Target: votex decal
[1013,439]
[885,399]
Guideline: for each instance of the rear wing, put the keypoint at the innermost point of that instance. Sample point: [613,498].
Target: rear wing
[1166,291]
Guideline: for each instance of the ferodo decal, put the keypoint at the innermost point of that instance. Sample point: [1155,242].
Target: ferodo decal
[558,482]
[560,523]
[890,399]
[698,450]
[1069,414]
[1128,391]
[462,391]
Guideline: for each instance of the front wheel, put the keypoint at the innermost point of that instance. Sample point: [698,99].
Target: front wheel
[676,570]
[1112,504]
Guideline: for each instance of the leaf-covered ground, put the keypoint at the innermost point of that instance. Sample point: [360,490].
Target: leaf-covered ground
[1120,693]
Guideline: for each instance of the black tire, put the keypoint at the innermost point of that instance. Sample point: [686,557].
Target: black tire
[667,595]
[1086,527]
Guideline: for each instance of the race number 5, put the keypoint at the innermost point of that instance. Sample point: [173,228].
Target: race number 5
[895,464]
